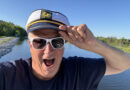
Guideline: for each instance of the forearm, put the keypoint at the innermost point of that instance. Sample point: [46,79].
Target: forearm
[114,57]
[82,37]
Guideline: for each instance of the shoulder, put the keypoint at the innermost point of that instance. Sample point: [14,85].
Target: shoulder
[13,65]
[85,68]
[11,72]
[81,60]
[85,64]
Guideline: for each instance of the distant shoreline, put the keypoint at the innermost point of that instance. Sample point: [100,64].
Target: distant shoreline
[7,44]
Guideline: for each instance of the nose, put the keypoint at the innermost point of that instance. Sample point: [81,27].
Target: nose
[48,48]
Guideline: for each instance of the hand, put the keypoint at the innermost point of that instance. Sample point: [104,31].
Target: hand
[80,36]
[116,60]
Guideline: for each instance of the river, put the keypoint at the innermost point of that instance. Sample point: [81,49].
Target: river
[112,82]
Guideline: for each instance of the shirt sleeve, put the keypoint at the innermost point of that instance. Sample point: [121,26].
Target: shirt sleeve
[1,79]
[91,70]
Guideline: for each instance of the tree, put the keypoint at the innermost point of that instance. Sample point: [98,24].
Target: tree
[9,29]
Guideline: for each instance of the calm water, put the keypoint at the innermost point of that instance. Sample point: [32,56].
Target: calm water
[111,82]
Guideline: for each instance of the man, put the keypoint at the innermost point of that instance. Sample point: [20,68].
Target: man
[48,70]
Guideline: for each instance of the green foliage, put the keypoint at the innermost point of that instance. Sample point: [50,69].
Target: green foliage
[123,44]
[9,29]
[126,49]
[115,42]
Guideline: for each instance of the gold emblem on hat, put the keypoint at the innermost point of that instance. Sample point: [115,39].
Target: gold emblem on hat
[46,15]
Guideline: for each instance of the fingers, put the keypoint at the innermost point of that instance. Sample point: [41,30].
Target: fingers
[82,29]
[67,33]
[80,36]
[70,32]
[76,34]
[73,32]
[63,27]
[64,35]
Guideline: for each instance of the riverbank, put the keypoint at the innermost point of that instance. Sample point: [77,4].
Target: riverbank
[6,44]
[125,49]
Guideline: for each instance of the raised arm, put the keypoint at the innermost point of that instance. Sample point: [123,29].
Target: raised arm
[116,60]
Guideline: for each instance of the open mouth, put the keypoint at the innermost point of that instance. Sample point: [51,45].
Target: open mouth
[49,62]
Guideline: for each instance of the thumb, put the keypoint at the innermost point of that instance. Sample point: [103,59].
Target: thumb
[65,35]
[63,27]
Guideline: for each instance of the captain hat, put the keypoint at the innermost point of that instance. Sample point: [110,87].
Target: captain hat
[45,19]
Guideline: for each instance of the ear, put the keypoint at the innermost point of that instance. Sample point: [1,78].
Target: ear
[30,43]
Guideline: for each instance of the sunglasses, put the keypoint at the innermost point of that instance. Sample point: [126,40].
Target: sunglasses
[40,43]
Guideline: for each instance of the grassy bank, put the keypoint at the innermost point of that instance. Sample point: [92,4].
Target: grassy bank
[122,43]
[125,49]
[4,39]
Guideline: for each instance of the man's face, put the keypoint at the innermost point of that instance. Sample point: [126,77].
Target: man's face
[45,62]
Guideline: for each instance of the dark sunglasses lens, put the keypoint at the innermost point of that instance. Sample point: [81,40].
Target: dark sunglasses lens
[39,43]
[58,43]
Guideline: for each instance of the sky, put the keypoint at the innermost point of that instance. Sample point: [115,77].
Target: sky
[107,18]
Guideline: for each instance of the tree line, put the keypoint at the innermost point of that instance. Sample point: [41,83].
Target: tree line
[9,29]
[115,42]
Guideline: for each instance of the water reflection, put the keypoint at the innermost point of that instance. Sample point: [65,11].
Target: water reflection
[20,41]
[22,50]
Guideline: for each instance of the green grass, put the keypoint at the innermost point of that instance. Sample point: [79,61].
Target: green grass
[124,48]
[2,36]
[11,38]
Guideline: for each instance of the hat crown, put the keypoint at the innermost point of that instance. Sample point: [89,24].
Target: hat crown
[43,14]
